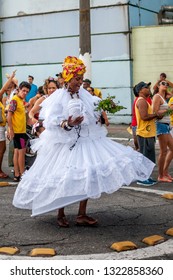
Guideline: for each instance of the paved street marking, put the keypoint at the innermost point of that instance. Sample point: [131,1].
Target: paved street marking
[153,240]
[139,189]
[42,252]
[169,232]
[6,184]
[123,246]
[164,248]
[9,250]
[168,195]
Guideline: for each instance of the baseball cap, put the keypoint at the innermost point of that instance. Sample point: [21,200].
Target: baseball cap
[87,81]
[141,85]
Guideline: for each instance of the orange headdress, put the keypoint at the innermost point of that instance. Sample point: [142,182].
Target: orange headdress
[72,66]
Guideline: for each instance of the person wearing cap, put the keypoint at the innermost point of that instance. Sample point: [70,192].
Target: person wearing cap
[134,120]
[75,158]
[146,128]
[164,136]
[87,84]
[33,90]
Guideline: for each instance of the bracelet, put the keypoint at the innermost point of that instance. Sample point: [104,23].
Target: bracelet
[65,126]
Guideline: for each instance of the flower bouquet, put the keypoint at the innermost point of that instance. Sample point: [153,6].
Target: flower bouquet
[108,105]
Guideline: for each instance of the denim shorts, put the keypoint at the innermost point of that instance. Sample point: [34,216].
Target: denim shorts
[162,128]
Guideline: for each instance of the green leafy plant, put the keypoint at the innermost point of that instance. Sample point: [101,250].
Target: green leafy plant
[168,112]
[108,105]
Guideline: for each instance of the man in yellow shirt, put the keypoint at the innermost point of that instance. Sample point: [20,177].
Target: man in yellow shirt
[146,128]
[17,128]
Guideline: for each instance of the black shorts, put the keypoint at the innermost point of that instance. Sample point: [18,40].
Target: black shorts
[19,140]
[147,147]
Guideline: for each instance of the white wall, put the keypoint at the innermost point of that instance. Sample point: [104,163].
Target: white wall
[36,44]
[152,53]
[12,8]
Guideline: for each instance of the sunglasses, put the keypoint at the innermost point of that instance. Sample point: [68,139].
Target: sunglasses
[164,84]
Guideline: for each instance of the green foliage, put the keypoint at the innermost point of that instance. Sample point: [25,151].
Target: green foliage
[108,105]
[169,112]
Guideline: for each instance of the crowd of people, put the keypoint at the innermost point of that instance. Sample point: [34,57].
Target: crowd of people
[152,117]
[20,105]
[75,160]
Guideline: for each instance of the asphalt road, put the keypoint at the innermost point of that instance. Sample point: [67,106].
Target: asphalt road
[132,213]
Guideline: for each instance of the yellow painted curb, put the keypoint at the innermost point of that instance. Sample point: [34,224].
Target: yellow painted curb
[169,232]
[168,195]
[4,184]
[9,250]
[123,246]
[44,252]
[153,240]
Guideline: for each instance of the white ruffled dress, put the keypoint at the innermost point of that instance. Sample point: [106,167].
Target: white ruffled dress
[74,165]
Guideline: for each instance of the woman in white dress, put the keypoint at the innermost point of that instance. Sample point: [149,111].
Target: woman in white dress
[75,160]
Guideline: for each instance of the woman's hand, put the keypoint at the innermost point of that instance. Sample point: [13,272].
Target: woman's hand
[76,121]
[10,134]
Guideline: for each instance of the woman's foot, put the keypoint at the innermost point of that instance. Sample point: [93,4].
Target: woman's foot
[164,179]
[84,220]
[16,178]
[168,176]
[3,175]
[62,222]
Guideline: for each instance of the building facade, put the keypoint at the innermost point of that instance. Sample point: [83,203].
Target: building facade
[37,35]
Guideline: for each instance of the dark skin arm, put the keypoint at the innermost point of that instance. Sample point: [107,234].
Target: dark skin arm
[142,106]
[76,121]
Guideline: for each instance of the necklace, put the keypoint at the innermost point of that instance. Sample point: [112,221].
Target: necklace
[72,94]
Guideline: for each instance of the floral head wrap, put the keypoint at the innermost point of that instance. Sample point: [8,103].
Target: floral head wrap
[72,67]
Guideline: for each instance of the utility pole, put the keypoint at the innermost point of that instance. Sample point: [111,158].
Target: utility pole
[85,36]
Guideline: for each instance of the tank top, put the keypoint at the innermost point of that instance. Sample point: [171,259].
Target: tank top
[145,129]
[164,106]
